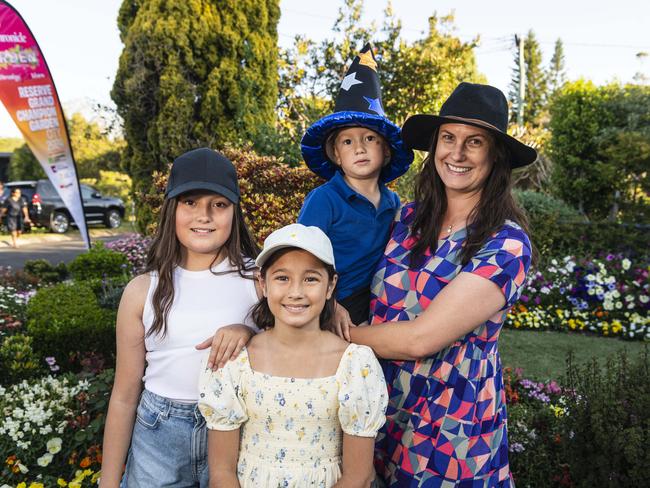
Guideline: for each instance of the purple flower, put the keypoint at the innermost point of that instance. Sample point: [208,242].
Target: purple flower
[609,257]
[50,360]
[516,447]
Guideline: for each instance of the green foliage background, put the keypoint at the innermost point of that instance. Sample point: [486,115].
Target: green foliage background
[600,145]
[197,73]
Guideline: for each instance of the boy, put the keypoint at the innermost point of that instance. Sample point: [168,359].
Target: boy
[357,149]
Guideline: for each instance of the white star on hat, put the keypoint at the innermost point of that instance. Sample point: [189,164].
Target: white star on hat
[350,81]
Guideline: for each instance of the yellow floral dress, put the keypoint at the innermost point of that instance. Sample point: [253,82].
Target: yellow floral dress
[292,428]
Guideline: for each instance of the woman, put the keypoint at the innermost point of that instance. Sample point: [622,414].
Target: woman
[15,209]
[454,265]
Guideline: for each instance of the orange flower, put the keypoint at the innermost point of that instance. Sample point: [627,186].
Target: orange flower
[85,462]
[11,459]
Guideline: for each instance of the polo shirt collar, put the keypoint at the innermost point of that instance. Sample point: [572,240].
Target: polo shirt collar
[386,202]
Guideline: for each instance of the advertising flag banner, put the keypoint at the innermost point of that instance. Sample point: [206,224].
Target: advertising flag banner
[29,95]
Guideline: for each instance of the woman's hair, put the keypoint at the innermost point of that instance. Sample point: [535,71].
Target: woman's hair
[495,206]
[165,254]
[261,313]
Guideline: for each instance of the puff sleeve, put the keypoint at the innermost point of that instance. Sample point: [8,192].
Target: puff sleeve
[504,259]
[221,400]
[363,396]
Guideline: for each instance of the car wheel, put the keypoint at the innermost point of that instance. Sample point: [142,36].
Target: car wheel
[113,219]
[59,222]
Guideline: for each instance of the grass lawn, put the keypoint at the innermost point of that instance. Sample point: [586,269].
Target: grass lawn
[542,354]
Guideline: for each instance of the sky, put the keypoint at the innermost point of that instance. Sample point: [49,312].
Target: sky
[81,43]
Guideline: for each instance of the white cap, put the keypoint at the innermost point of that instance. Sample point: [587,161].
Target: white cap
[311,239]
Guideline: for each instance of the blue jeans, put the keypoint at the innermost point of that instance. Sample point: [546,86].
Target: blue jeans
[168,446]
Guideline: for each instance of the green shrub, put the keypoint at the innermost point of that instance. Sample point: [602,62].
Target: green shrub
[17,359]
[608,423]
[558,230]
[67,321]
[600,149]
[108,290]
[46,271]
[99,262]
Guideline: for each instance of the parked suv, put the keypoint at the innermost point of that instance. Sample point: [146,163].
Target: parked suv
[46,209]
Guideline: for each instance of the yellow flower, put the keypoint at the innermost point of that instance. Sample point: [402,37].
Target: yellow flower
[61,482]
[21,485]
[74,484]
[95,477]
[33,484]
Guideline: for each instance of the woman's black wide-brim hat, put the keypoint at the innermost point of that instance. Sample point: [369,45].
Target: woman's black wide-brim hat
[482,106]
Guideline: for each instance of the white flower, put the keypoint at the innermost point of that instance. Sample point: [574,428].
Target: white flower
[545,290]
[23,469]
[44,460]
[644,298]
[626,264]
[619,305]
[54,445]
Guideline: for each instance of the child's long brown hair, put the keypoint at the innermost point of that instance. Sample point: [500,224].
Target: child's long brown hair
[165,254]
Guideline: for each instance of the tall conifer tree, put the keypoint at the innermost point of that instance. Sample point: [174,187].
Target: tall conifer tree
[556,70]
[193,73]
[536,90]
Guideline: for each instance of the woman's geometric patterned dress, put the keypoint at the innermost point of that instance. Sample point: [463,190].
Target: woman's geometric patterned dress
[446,418]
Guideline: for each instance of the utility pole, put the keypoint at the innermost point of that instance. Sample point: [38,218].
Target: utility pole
[519,40]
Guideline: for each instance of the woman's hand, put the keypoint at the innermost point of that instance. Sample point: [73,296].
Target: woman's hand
[226,344]
[342,322]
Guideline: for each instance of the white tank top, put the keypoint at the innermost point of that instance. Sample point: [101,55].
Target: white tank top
[203,302]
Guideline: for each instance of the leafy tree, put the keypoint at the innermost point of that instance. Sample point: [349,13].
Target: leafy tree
[556,71]
[418,77]
[536,84]
[599,145]
[23,165]
[415,76]
[93,151]
[199,73]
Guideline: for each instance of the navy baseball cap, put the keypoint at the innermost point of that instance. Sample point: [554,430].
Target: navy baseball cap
[203,169]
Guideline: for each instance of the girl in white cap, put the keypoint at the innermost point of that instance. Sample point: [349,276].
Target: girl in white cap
[199,277]
[299,406]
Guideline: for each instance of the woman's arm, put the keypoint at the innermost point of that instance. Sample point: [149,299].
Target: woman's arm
[223,453]
[462,305]
[25,214]
[357,462]
[127,387]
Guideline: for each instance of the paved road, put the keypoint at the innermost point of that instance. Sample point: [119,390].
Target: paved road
[53,251]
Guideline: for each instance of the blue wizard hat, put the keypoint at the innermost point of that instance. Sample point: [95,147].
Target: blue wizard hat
[358,104]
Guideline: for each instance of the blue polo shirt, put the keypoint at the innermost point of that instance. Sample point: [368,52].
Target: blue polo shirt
[358,231]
